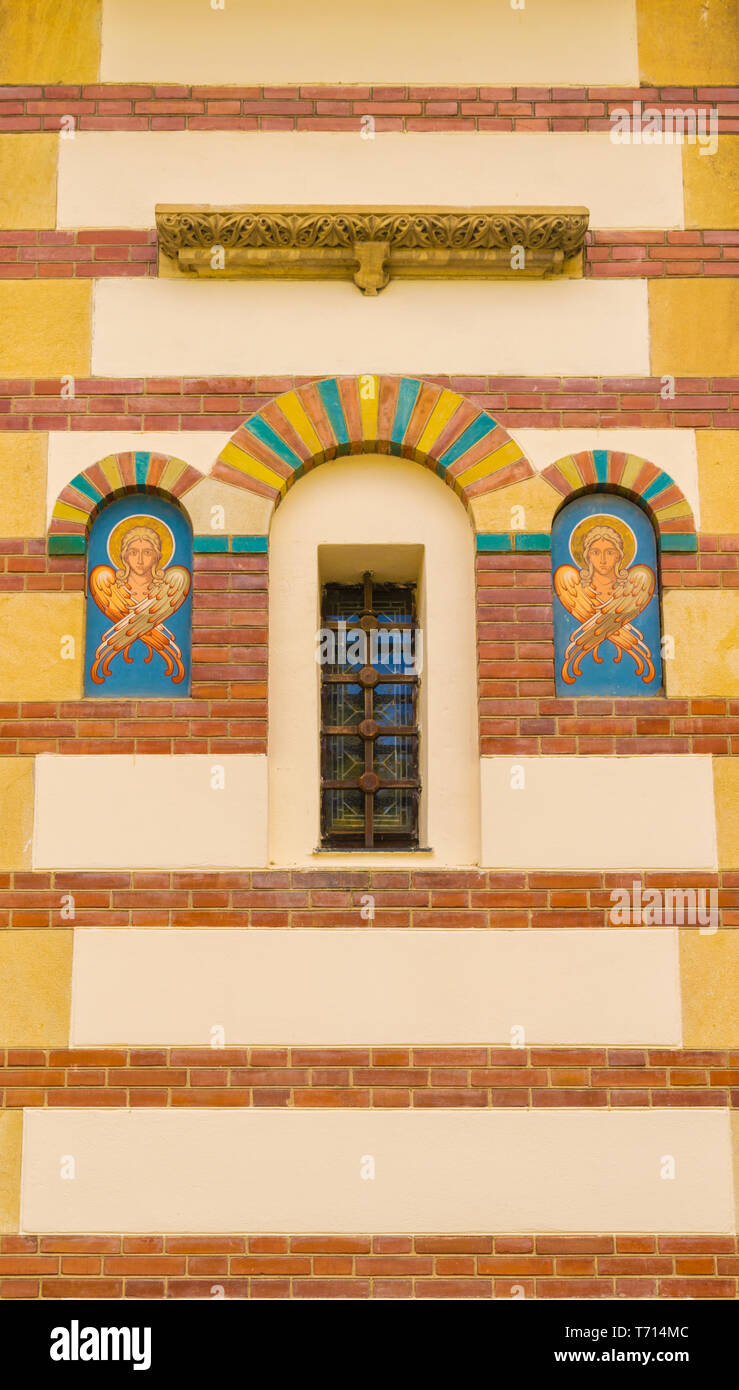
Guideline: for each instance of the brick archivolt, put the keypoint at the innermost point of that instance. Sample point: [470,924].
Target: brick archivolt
[339,416]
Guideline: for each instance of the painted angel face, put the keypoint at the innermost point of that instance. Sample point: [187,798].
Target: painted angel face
[603,556]
[141,556]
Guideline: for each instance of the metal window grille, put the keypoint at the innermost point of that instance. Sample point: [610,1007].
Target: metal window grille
[370,783]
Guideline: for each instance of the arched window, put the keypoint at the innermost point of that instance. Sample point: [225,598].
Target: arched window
[606,598]
[139,599]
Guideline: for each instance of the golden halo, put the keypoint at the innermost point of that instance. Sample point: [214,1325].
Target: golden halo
[579,534]
[116,537]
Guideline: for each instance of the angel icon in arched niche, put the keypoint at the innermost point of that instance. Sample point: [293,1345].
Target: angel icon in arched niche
[611,584]
[139,590]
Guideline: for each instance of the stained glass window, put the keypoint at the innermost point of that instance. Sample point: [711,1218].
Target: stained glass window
[369,734]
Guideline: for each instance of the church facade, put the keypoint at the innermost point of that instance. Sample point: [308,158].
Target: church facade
[369,615]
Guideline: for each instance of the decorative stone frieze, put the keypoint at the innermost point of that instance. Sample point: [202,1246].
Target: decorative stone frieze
[373,245]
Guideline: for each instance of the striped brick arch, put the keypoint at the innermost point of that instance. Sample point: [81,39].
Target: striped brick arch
[655,489]
[113,476]
[384,414]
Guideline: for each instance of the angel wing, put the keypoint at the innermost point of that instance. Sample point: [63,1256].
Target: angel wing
[107,594]
[143,622]
[612,623]
[569,590]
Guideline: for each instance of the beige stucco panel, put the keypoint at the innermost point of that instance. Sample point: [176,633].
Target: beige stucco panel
[161,812]
[726,792]
[115,178]
[46,328]
[364,987]
[718,478]
[526,506]
[235,511]
[49,41]
[27,178]
[11,1144]
[41,646]
[362,504]
[598,812]
[419,41]
[448,1170]
[735,1151]
[23,472]
[687,44]
[35,986]
[163,327]
[704,625]
[16,812]
[709,973]
[711,182]
[692,326]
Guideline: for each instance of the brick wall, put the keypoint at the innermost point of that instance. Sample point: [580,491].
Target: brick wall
[97,252]
[223,403]
[305,898]
[363,1266]
[143,106]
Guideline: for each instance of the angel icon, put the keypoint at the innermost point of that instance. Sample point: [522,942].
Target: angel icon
[605,594]
[139,591]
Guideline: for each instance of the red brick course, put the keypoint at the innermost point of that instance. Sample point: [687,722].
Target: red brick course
[223,403]
[94,253]
[35,254]
[144,106]
[369,1266]
[398,1077]
[327,898]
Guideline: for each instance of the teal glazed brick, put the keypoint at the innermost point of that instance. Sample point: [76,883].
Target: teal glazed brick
[533,540]
[141,463]
[678,541]
[83,485]
[67,545]
[407,395]
[487,541]
[600,459]
[210,545]
[252,545]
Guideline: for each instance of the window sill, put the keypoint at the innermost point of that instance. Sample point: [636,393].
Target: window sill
[377,849]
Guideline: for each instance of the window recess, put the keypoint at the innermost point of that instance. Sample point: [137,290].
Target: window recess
[370,784]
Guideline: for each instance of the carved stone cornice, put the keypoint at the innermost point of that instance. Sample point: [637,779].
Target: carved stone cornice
[371,245]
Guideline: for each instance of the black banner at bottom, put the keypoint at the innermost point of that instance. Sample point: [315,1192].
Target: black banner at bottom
[96,1340]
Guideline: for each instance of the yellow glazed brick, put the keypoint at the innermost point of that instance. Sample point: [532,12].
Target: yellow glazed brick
[539,500]
[11,1143]
[704,626]
[688,42]
[711,184]
[23,473]
[718,480]
[16,812]
[49,40]
[34,632]
[28,181]
[693,327]
[726,796]
[47,327]
[709,983]
[35,987]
